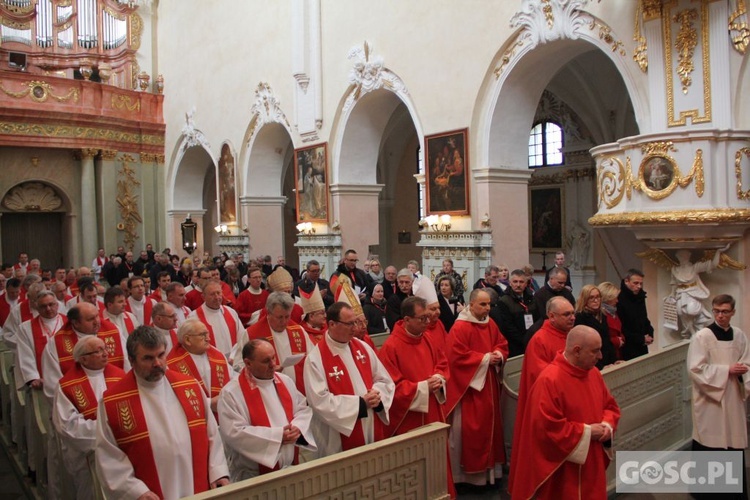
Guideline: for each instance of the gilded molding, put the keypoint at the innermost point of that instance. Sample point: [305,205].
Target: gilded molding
[85,153]
[18,25]
[640,53]
[684,44]
[507,55]
[548,15]
[117,15]
[39,91]
[739,32]
[693,114]
[128,202]
[708,216]
[122,101]
[73,132]
[19,8]
[562,177]
[605,34]
[136,31]
[160,159]
[741,195]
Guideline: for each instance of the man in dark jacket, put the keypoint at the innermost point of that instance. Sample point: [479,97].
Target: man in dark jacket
[517,312]
[554,287]
[404,280]
[310,279]
[349,268]
[631,308]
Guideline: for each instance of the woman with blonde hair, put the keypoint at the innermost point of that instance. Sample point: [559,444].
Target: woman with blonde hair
[610,293]
[589,313]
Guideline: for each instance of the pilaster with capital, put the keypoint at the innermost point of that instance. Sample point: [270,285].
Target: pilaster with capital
[355,206]
[106,204]
[263,213]
[152,200]
[89,229]
[502,194]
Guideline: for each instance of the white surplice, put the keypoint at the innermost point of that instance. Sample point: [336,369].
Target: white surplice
[249,445]
[222,336]
[26,350]
[137,306]
[719,419]
[77,434]
[119,322]
[337,414]
[170,443]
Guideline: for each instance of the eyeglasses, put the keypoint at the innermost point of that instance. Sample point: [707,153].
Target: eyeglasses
[723,312]
[101,350]
[203,335]
[421,319]
[350,324]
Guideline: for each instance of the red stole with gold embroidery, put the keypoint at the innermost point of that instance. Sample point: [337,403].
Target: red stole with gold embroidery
[180,360]
[77,388]
[110,334]
[128,423]
[228,319]
[257,408]
[339,383]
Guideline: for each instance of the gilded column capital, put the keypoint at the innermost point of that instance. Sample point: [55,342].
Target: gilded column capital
[148,158]
[109,154]
[651,9]
[85,153]
[160,159]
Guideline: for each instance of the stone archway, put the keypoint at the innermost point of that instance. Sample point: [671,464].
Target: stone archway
[541,49]
[376,103]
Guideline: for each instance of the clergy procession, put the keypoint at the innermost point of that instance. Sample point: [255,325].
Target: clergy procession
[172,382]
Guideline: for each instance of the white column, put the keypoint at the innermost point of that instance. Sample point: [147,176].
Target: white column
[356,207]
[264,216]
[89,224]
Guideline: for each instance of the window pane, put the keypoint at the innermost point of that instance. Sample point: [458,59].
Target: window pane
[554,142]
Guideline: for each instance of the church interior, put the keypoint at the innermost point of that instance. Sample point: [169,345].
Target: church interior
[488,132]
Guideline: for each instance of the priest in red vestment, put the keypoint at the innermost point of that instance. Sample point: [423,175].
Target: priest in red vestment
[476,353]
[570,418]
[419,369]
[541,351]
[251,301]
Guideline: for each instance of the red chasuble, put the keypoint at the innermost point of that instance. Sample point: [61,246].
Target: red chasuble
[438,337]
[541,351]
[481,422]
[77,388]
[4,310]
[340,383]
[65,339]
[247,303]
[410,360]
[562,400]
[24,307]
[180,360]
[128,423]
[257,408]
[297,343]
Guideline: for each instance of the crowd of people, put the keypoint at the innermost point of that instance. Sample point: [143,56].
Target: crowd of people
[181,375]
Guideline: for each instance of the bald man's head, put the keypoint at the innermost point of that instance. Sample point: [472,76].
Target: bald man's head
[583,347]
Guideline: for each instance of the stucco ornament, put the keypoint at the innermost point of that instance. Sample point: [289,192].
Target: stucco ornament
[32,197]
[267,106]
[369,73]
[547,20]
[193,136]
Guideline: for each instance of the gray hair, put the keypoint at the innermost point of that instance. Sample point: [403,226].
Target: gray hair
[311,262]
[146,336]
[187,327]
[30,279]
[557,271]
[405,272]
[281,299]
[552,303]
[45,293]
[79,350]
[159,308]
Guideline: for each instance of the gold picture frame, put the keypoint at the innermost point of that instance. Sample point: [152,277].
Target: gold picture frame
[658,175]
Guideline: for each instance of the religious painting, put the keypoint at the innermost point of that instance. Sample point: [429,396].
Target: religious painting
[658,176]
[546,217]
[227,196]
[446,173]
[311,180]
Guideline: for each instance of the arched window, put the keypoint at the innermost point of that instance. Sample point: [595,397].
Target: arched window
[545,145]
